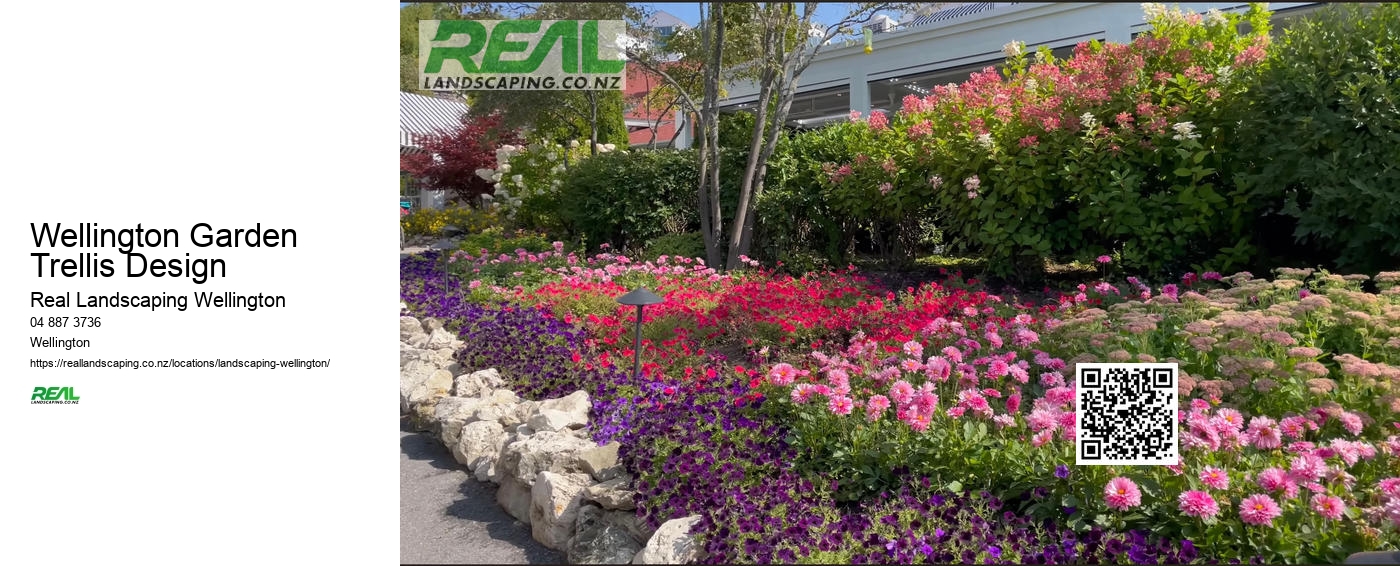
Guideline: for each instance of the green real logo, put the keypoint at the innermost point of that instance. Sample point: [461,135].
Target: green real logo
[53,396]
[521,55]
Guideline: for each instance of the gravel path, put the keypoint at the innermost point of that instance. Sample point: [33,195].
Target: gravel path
[447,517]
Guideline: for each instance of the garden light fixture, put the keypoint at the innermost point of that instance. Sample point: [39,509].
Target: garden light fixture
[640,298]
[445,247]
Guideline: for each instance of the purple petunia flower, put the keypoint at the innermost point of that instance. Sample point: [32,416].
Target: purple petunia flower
[1062,471]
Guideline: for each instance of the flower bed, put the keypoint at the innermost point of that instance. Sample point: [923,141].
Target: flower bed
[823,419]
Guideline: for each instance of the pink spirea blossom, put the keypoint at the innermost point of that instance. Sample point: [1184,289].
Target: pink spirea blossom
[1198,504]
[1121,494]
[1259,509]
[879,121]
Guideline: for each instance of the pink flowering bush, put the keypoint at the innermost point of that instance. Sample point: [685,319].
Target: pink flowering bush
[1289,444]
[1117,148]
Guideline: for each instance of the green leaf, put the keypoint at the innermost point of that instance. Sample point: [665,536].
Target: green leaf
[955,486]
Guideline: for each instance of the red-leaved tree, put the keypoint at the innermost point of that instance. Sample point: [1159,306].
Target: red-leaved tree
[450,158]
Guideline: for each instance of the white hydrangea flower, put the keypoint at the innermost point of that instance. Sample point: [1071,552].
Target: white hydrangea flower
[609,147]
[551,156]
[1013,48]
[557,169]
[985,140]
[1185,131]
[505,167]
[1088,120]
[1214,16]
[1224,74]
[573,143]
[1151,10]
[518,179]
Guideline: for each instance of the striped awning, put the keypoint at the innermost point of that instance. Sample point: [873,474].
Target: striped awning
[954,12]
[423,115]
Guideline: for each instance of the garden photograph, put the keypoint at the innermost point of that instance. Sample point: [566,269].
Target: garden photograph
[815,287]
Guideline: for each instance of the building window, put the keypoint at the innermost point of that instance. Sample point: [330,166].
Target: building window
[410,191]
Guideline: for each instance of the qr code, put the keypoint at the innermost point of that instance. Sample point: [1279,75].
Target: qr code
[1126,414]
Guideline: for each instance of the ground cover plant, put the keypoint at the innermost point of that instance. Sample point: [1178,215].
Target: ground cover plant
[820,418]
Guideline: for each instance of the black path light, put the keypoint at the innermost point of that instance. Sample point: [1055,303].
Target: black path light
[445,247]
[640,298]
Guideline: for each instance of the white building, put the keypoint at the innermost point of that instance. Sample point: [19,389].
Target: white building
[949,45]
[421,116]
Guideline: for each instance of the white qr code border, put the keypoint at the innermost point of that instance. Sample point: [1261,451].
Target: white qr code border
[1084,440]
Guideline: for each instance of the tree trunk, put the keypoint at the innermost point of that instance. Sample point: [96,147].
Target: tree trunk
[770,145]
[743,219]
[592,122]
[711,223]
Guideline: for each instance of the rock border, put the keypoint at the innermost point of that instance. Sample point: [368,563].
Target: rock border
[572,493]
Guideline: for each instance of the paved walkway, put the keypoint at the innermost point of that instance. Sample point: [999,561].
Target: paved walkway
[447,517]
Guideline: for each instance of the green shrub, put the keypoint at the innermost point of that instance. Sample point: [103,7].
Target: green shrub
[529,178]
[689,244]
[497,241]
[627,199]
[794,217]
[1116,150]
[1325,134]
